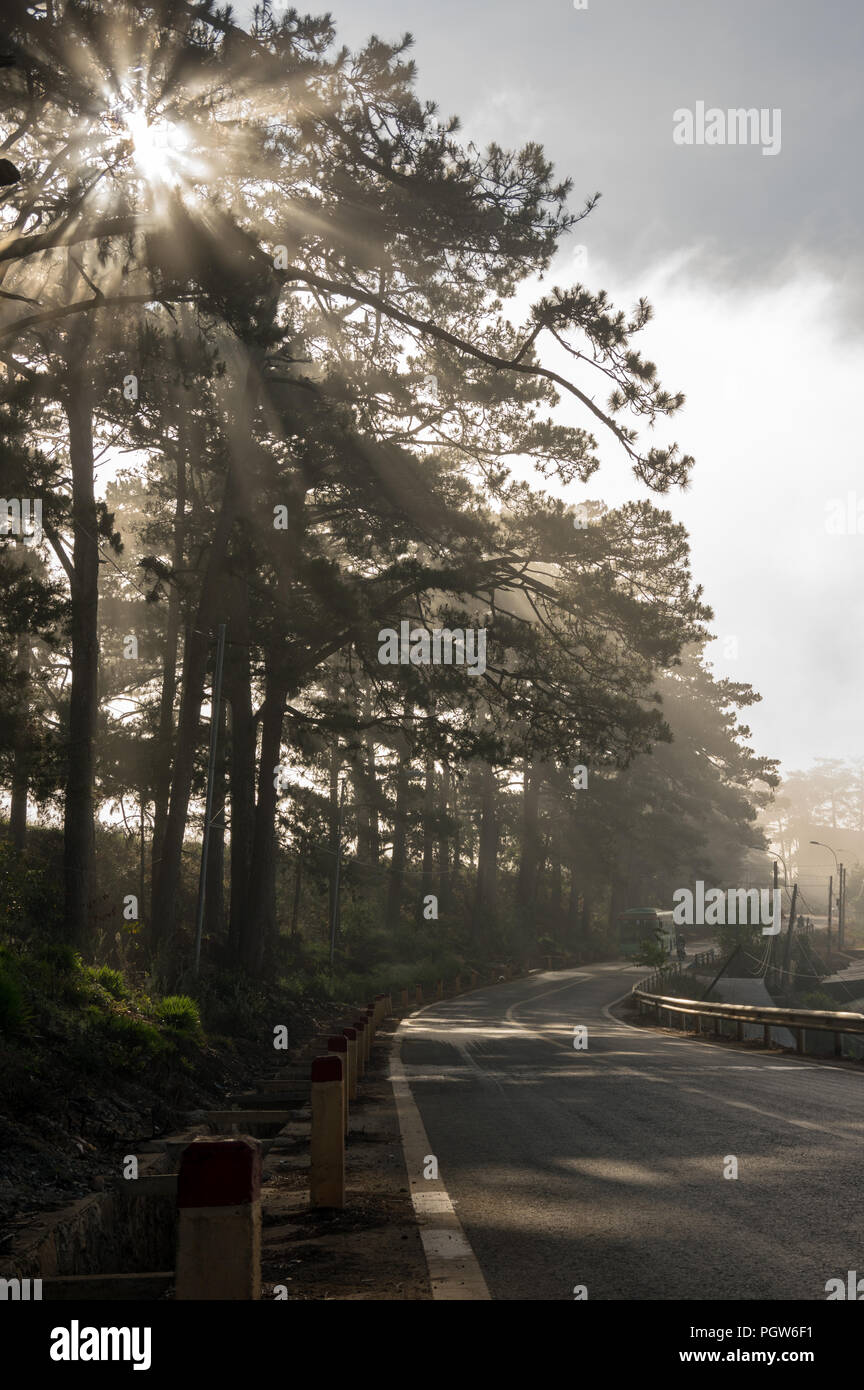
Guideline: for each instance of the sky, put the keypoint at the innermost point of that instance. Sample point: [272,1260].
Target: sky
[753,265]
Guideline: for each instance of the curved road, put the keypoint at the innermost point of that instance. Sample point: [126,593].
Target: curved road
[605,1167]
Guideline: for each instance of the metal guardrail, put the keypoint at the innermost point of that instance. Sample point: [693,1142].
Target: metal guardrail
[673,969]
[799,1021]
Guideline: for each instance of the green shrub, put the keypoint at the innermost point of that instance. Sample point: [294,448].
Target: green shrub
[30,895]
[230,1006]
[122,1041]
[402,976]
[55,970]
[58,957]
[651,952]
[111,980]
[816,999]
[180,1012]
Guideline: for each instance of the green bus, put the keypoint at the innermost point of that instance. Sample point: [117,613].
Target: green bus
[639,924]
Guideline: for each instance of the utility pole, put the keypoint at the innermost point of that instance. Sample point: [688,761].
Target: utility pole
[789,931]
[773,945]
[215,705]
[841,910]
[830,895]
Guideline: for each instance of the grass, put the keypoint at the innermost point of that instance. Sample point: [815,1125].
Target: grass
[180,1012]
[110,980]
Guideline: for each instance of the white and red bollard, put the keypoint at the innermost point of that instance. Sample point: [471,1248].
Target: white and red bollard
[219,1220]
[327,1169]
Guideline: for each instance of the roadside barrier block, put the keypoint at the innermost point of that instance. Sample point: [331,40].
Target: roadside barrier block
[327,1159]
[219,1220]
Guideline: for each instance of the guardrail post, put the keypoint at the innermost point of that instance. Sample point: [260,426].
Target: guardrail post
[219,1220]
[339,1044]
[799,1039]
[418,997]
[766,1034]
[739,1029]
[439,994]
[327,1167]
[838,1045]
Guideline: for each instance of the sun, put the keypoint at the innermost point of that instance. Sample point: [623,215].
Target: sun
[160,148]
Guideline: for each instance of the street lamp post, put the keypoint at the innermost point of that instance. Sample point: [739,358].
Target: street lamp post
[841,886]
[785,870]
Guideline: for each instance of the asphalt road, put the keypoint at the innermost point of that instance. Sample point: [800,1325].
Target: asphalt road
[605,1167]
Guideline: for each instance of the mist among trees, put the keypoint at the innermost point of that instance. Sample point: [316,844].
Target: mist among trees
[264,370]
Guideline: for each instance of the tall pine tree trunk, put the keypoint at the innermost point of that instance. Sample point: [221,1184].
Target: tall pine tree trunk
[78,833]
[555,885]
[261,923]
[359,782]
[333,832]
[456,869]
[573,918]
[242,790]
[396,877]
[372,798]
[429,816]
[529,862]
[21,756]
[166,888]
[163,751]
[298,887]
[214,889]
[445,888]
[487,854]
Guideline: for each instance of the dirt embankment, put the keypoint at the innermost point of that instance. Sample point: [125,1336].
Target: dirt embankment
[69,1113]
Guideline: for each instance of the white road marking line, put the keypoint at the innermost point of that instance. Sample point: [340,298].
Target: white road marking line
[454,1272]
[695,1090]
